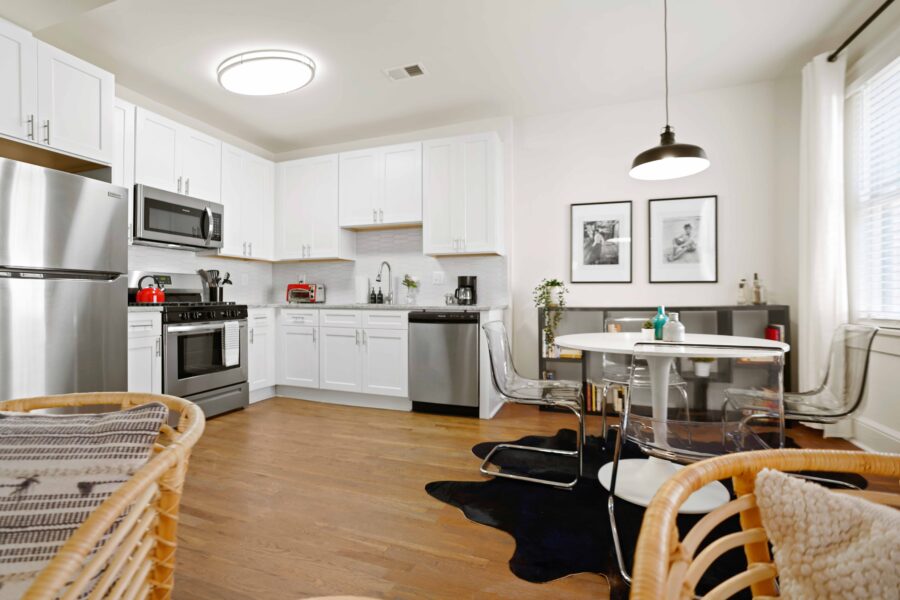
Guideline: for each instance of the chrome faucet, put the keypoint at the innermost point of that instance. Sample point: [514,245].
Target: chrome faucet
[389,299]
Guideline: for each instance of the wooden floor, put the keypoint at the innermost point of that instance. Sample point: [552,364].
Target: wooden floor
[289,499]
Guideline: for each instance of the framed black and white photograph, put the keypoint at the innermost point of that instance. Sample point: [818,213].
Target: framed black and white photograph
[601,242]
[684,240]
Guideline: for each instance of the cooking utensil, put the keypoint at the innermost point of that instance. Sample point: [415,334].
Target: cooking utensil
[150,295]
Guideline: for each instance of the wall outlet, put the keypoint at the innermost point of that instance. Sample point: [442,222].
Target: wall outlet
[437,277]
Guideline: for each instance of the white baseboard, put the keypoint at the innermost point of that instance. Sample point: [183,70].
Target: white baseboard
[262,394]
[874,436]
[345,398]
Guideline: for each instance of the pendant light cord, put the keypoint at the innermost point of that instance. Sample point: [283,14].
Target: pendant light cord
[666,53]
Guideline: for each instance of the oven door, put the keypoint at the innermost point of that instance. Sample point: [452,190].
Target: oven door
[166,218]
[195,358]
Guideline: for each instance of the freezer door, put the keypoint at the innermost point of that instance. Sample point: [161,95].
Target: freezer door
[59,336]
[55,220]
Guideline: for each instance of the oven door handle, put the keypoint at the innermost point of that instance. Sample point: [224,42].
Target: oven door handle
[194,328]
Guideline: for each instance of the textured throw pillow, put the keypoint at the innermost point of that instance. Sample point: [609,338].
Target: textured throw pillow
[829,545]
[54,471]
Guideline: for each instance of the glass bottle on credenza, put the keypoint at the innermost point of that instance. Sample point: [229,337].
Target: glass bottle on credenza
[759,290]
[742,295]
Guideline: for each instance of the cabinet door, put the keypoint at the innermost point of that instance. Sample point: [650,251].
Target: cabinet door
[75,101]
[123,154]
[322,200]
[479,187]
[441,210]
[292,217]
[157,159]
[385,362]
[201,165]
[359,188]
[18,72]
[400,193]
[145,364]
[299,355]
[258,199]
[261,365]
[234,242]
[340,364]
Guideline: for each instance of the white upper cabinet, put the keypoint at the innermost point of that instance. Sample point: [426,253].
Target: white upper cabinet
[176,158]
[51,98]
[463,195]
[18,74]
[75,103]
[381,186]
[306,219]
[123,153]
[249,196]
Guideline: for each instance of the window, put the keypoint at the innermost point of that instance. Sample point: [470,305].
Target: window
[872,122]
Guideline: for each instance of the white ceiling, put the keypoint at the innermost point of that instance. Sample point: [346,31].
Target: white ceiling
[484,57]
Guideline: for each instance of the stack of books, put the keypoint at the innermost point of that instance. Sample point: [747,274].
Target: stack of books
[775,332]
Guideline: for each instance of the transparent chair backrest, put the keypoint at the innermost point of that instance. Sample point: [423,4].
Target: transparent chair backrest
[502,369]
[842,388]
[625,324]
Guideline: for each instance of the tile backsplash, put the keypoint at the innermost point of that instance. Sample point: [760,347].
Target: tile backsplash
[402,249]
[262,282]
[252,279]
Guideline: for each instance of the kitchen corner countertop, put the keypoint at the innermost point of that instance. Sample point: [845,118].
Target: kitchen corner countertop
[435,307]
[148,308]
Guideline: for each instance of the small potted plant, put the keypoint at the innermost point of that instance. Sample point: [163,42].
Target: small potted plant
[412,288]
[550,294]
[647,330]
[702,365]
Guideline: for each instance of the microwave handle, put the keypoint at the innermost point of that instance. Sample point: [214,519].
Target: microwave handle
[209,224]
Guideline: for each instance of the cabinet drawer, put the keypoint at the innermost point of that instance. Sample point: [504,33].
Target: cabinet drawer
[260,317]
[144,324]
[340,318]
[309,317]
[385,319]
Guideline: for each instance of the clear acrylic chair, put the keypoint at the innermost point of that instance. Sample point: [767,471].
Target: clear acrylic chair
[542,392]
[701,435]
[838,395]
[617,368]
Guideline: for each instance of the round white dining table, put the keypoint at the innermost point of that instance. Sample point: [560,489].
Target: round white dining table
[639,478]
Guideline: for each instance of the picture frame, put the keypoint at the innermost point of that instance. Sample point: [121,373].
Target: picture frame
[684,239]
[600,242]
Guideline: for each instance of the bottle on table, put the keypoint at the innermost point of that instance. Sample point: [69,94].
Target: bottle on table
[372,298]
[659,321]
[379,297]
[674,329]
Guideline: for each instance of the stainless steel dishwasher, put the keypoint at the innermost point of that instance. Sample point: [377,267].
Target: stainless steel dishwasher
[443,362]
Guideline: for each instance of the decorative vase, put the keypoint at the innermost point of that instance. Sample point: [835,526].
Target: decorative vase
[412,296]
[553,297]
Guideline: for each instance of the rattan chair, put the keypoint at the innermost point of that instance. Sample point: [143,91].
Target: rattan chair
[668,567]
[138,558]
[542,392]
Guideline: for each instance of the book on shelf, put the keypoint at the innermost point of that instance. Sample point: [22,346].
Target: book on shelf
[775,332]
[568,353]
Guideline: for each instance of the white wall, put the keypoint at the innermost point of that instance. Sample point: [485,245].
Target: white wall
[584,156]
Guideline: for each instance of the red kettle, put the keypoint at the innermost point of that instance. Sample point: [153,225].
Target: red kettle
[150,295]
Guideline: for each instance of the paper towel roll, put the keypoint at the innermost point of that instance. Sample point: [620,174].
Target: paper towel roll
[361,289]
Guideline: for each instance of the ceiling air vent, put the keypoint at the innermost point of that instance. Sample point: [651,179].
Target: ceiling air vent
[407,72]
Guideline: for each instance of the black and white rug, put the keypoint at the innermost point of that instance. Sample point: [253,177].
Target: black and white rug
[560,532]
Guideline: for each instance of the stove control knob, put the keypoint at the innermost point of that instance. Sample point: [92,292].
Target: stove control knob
[197,314]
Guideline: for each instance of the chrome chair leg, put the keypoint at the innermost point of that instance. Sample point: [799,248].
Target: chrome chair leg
[610,505]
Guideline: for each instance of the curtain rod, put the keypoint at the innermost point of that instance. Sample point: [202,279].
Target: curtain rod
[833,56]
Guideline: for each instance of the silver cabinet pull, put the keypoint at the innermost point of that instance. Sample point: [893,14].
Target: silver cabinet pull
[374,215]
[380,216]
[250,248]
[314,335]
[244,250]
[158,346]
[251,334]
[365,339]
[357,337]
[30,127]
[187,186]
[179,184]
[47,130]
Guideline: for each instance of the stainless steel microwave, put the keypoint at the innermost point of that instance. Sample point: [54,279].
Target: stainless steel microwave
[171,220]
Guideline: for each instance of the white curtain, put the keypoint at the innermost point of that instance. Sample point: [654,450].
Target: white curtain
[822,236]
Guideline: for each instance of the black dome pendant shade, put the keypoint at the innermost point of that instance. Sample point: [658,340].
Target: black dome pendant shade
[669,160]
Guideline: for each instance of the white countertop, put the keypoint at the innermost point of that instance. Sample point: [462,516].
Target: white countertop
[147,308]
[454,307]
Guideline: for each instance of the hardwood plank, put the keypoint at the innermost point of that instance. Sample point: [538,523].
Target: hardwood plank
[289,499]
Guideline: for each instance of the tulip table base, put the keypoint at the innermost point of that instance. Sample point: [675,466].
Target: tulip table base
[640,478]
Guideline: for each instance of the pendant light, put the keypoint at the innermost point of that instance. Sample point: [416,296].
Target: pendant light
[669,160]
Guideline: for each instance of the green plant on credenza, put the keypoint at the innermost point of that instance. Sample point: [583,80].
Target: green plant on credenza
[550,294]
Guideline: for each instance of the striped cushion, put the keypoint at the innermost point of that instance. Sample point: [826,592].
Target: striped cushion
[54,471]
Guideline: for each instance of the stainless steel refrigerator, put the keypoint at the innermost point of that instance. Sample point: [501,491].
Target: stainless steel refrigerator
[63,293]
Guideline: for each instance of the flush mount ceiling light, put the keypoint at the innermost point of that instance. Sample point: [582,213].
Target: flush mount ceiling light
[266,72]
[669,160]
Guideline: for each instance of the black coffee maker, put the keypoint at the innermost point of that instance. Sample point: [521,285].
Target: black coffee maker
[465,290]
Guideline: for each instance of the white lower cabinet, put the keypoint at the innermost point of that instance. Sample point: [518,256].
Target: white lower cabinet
[261,348]
[384,362]
[299,354]
[340,359]
[145,352]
